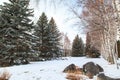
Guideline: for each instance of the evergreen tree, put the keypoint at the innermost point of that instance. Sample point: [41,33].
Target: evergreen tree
[42,32]
[48,37]
[77,47]
[14,27]
[54,39]
[82,47]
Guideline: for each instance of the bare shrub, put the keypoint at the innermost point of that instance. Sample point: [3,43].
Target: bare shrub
[76,75]
[5,75]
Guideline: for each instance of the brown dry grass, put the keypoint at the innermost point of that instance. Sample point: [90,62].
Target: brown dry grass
[5,75]
[77,75]
[72,76]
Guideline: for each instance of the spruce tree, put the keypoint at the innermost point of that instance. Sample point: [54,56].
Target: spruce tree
[82,47]
[42,32]
[48,37]
[77,47]
[14,27]
[54,39]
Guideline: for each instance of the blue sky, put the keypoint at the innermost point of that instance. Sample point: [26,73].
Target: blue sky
[60,12]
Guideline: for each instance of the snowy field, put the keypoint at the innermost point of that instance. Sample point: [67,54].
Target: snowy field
[52,70]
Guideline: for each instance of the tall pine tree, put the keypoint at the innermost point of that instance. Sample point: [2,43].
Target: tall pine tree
[14,27]
[48,38]
[77,47]
[42,32]
[54,39]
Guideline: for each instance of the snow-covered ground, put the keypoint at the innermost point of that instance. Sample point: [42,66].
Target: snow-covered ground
[52,70]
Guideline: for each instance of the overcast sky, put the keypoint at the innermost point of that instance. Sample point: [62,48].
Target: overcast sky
[60,12]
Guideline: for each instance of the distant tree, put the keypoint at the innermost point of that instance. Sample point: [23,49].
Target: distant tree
[77,47]
[15,24]
[67,46]
[82,47]
[54,39]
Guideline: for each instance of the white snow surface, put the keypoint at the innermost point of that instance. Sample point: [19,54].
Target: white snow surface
[52,70]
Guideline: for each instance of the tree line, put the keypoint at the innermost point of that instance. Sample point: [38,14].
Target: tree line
[21,40]
[100,20]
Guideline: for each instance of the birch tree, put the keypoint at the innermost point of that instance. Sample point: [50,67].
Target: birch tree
[67,46]
[100,15]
